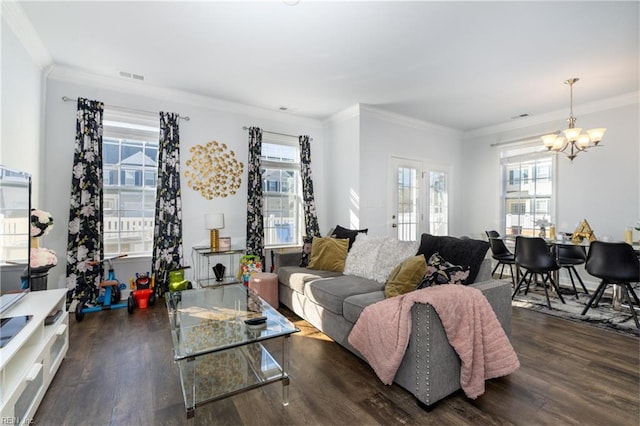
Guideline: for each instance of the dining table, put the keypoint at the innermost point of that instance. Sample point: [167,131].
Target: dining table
[565,239]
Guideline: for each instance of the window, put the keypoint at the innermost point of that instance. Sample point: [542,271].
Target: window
[527,195]
[130,172]
[281,186]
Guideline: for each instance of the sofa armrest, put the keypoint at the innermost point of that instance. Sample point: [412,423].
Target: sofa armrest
[498,293]
[287,259]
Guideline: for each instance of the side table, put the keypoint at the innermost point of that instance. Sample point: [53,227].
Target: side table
[204,259]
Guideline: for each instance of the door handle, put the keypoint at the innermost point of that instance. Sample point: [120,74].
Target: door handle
[394,225]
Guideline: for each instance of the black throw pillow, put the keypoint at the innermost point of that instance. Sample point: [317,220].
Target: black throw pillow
[342,233]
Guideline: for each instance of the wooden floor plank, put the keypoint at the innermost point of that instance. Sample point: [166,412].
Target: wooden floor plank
[120,371]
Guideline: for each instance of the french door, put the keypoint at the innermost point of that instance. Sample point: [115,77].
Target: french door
[406,206]
[419,200]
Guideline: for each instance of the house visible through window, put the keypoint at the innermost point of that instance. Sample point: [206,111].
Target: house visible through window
[281,186]
[130,169]
[528,188]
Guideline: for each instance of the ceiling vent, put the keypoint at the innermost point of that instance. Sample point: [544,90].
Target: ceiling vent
[130,75]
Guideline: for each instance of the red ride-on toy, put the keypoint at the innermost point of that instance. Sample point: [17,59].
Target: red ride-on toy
[143,294]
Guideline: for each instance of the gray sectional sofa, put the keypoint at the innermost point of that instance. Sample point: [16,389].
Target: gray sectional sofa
[332,302]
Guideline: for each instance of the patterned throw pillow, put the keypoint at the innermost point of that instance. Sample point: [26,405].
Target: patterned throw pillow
[439,271]
[306,251]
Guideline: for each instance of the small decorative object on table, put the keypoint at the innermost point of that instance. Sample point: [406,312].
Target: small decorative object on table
[224,243]
[583,231]
[542,223]
[218,270]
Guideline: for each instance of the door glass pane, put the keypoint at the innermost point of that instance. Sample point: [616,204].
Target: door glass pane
[438,203]
[407,204]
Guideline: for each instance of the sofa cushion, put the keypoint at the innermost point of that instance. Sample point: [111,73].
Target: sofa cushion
[465,252]
[330,293]
[361,260]
[354,305]
[328,254]
[351,234]
[406,276]
[297,277]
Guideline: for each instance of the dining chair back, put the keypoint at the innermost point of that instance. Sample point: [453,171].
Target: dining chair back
[501,253]
[568,257]
[533,255]
[614,263]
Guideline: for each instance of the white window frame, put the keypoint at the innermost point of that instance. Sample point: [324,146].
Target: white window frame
[270,232]
[522,154]
[131,235]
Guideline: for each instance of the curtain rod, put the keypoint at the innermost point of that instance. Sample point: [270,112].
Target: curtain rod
[68,99]
[276,133]
[528,138]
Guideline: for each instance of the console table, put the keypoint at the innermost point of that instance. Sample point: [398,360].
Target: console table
[204,259]
[217,353]
[30,360]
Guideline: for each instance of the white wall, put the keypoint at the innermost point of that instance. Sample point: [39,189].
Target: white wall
[21,101]
[383,136]
[342,170]
[601,185]
[210,120]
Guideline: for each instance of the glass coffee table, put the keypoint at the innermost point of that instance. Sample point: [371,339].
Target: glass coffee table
[218,354]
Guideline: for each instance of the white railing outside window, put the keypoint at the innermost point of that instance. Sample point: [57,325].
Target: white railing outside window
[130,170]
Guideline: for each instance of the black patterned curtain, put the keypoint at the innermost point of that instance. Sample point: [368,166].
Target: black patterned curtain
[255,220]
[84,240]
[310,216]
[167,240]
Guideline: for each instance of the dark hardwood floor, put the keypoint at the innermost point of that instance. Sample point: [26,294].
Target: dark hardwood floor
[119,371]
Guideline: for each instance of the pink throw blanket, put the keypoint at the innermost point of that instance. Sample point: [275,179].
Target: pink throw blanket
[382,332]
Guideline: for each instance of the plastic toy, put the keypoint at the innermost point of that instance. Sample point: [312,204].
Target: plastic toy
[177,282]
[143,295]
[104,301]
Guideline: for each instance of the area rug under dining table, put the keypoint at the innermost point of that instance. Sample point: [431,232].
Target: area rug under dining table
[602,316]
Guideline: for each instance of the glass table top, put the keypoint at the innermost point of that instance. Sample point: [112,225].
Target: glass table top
[209,320]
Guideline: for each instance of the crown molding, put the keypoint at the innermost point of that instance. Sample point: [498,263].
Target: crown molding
[140,88]
[410,122]
[587,108]
[346,114]
[15,17]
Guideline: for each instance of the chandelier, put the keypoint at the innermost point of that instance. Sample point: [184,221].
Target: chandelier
[571,141]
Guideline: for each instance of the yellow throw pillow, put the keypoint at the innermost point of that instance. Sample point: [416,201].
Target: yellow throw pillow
[328,254]
[406,276]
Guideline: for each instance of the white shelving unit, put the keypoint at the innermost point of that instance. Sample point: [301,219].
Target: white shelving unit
[31,359]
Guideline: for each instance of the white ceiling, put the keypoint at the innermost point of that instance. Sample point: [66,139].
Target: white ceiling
[464,65]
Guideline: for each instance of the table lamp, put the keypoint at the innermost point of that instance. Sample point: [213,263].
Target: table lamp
[214,221]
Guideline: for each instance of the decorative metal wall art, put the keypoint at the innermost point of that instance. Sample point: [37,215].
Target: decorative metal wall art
[213,170]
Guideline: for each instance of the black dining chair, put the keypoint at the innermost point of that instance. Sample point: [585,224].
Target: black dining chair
[533,255]
[502,254]
[568,257]
[614,263]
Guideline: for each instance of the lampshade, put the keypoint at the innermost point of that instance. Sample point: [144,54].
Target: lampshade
[214,221]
